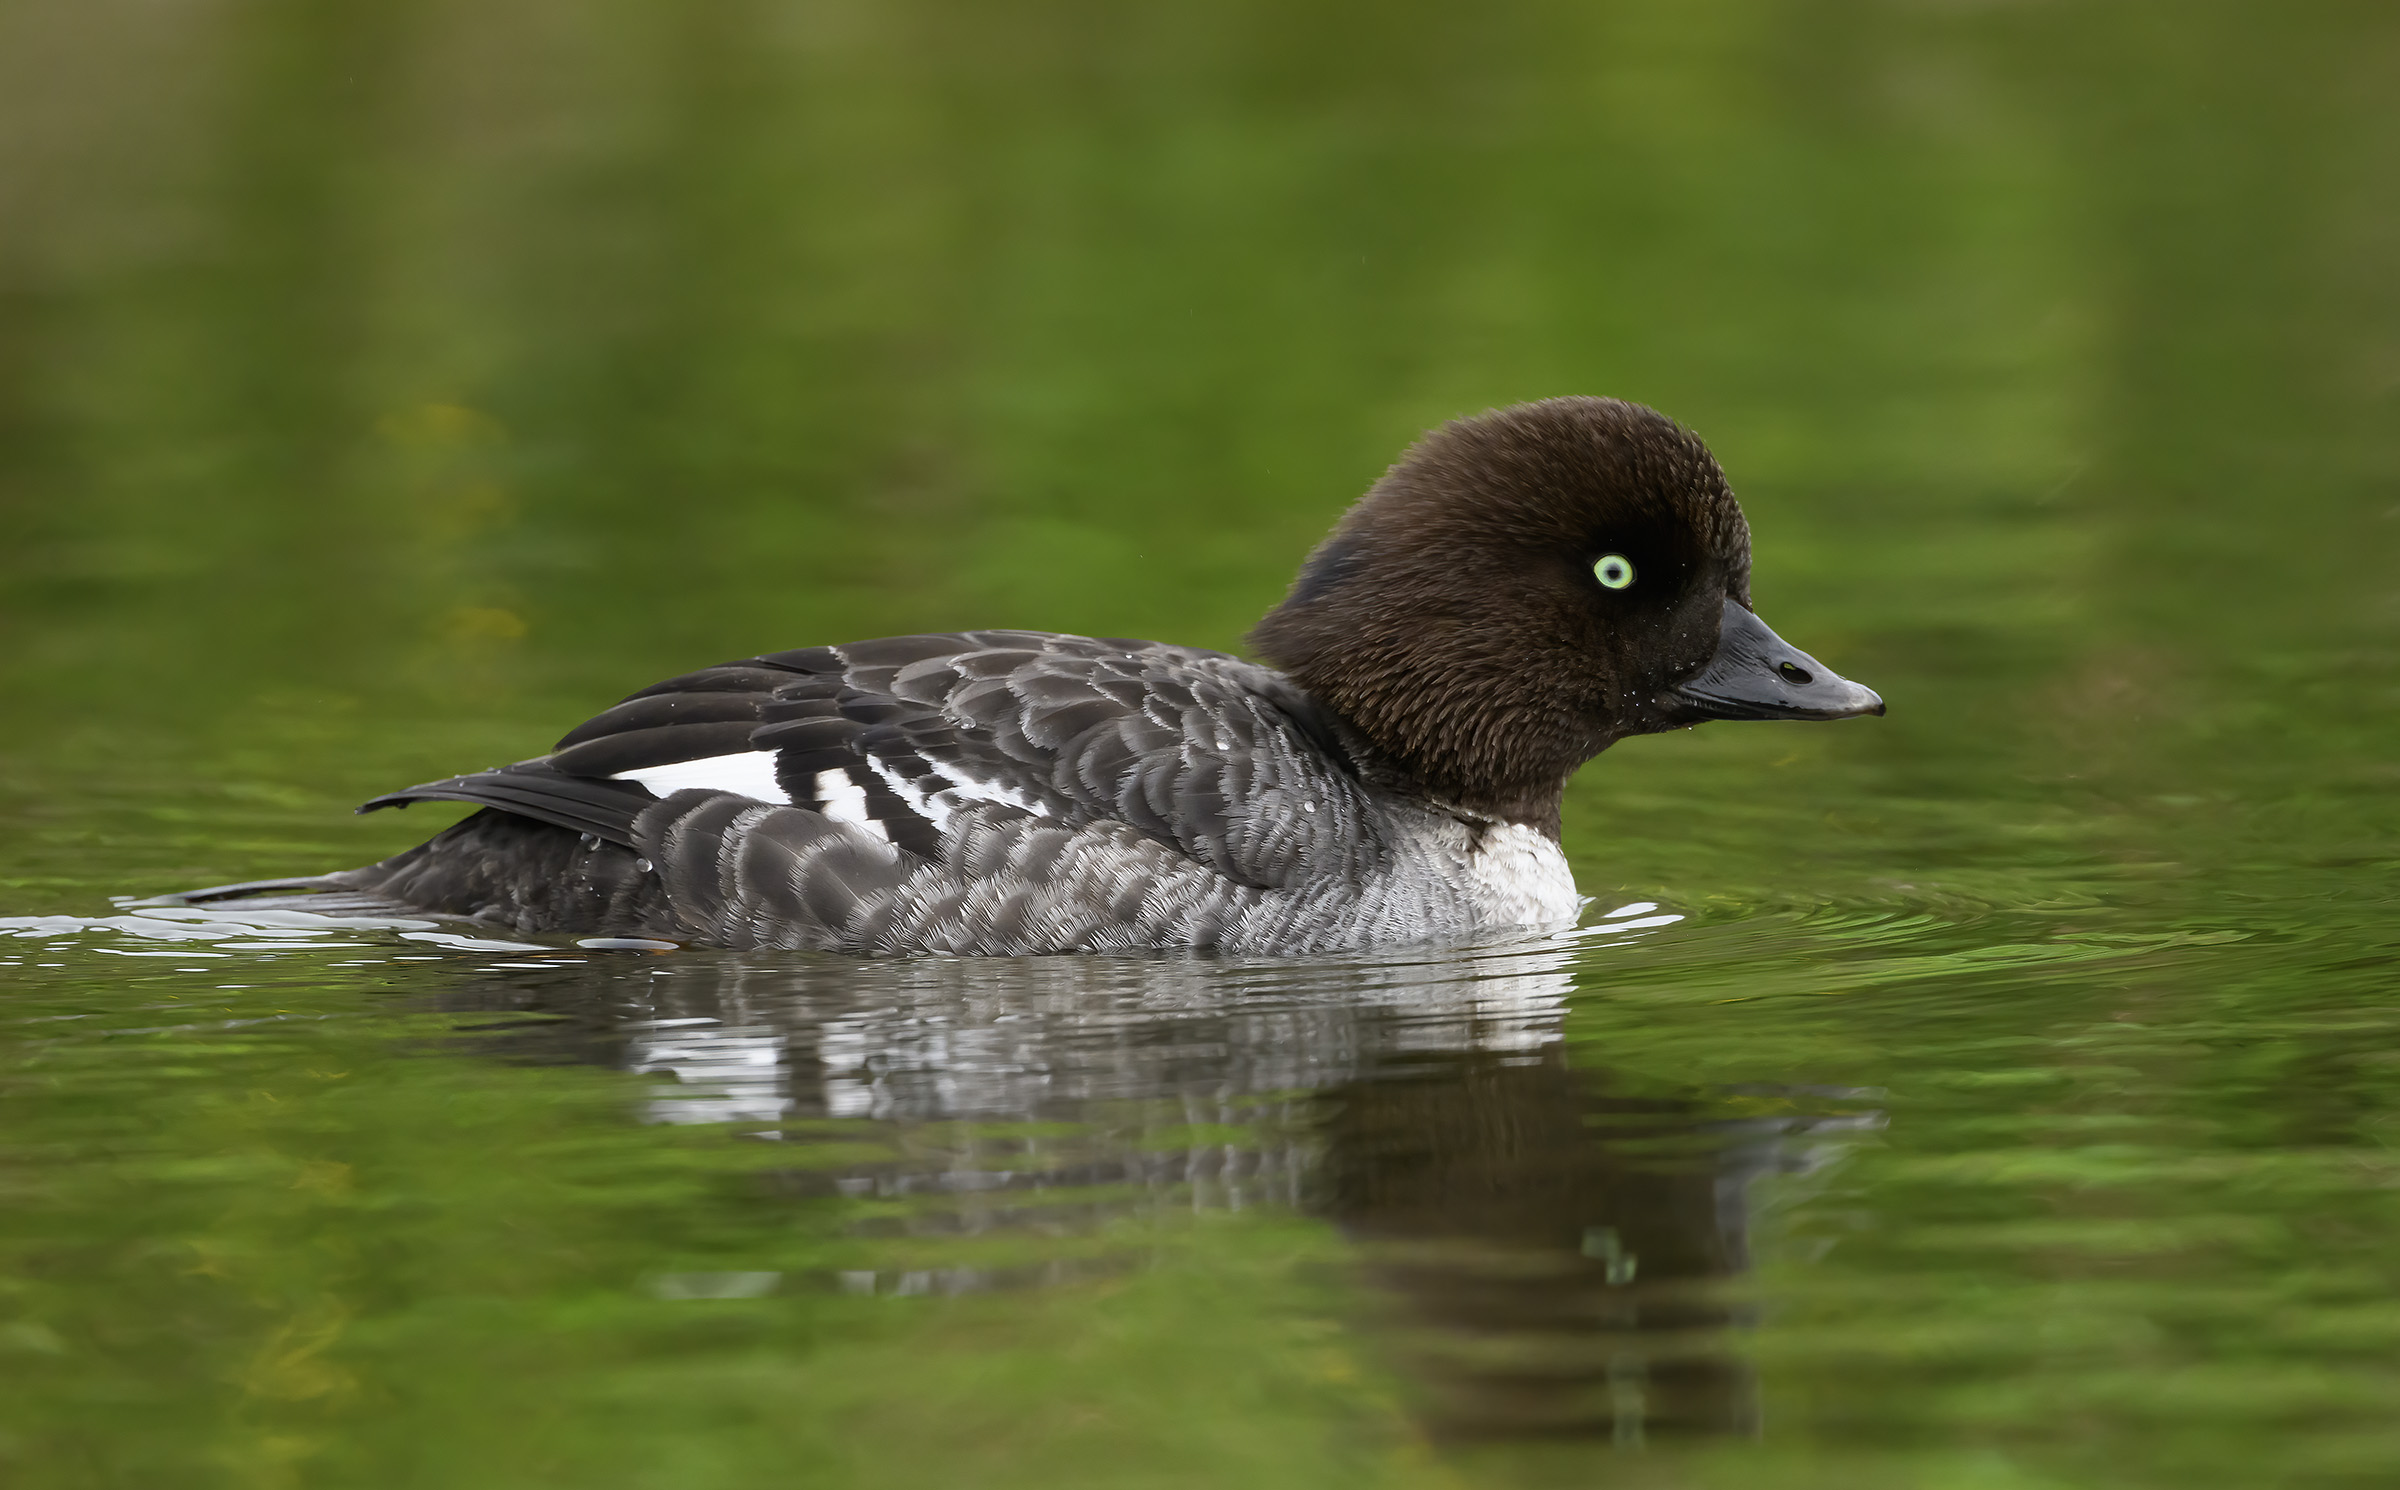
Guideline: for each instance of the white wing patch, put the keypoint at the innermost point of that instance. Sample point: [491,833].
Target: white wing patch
[939,804]
[745,773]
[845,801]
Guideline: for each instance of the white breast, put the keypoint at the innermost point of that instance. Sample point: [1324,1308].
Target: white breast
[1518,877]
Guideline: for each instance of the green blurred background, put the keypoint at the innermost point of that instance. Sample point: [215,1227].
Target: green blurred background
[386,385]
[383,384]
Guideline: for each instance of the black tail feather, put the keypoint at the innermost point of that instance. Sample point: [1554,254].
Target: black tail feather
[298,885]
[533,789]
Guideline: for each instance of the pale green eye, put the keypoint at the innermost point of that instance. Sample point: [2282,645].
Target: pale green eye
[1614,570]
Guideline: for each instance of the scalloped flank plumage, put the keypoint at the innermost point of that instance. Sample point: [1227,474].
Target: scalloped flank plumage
[1443,663]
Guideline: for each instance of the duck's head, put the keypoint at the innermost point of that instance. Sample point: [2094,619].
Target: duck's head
[1530,585]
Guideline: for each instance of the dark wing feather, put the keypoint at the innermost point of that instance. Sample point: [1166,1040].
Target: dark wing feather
[665,710]
[1225,761]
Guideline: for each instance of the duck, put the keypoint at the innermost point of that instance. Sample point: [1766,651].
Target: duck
[1522,589]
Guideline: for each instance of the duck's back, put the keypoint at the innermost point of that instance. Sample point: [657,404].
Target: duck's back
[977,792]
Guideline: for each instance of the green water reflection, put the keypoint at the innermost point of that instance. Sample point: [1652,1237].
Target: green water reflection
[384,386]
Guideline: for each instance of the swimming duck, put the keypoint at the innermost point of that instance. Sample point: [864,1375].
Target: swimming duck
[1522,589]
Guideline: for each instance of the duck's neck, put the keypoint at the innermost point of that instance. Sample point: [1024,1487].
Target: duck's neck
[1490,760]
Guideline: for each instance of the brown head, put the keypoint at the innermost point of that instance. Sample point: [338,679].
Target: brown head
[1528,586]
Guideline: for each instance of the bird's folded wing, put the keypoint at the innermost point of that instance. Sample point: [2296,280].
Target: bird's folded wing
[1223,760]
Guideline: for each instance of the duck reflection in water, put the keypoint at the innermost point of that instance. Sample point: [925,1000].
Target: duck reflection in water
[1553,1245]
[1549,1243]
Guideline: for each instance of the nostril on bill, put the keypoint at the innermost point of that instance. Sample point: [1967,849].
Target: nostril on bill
[1793,672]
